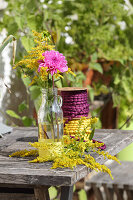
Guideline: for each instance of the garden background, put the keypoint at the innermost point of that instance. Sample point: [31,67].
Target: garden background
[96,38]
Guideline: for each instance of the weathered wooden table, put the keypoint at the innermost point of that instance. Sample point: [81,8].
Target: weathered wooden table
[17,173]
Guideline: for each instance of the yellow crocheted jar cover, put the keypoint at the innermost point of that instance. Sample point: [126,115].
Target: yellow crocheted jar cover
[72,126]
[49,149]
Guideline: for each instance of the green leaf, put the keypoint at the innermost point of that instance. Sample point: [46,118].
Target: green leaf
[11,113]
[71,78]
[27,43]
[121,61]
[117,79]
[103,89]
[80,76]
[126,84]
[116,100]
[31,21]
[27,121]
[52,192]
[23,106]
[96,66]
[94,57]
[92,134]
[35,92]
[91,93]
[58,84]
[26,80]
[12,28]
[20,21]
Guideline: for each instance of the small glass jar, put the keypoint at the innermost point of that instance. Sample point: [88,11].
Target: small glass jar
[50,121]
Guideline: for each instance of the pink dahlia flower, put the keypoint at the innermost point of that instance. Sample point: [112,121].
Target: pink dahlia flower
[54,61]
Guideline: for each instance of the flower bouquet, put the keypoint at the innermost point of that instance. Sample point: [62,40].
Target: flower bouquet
[45,66]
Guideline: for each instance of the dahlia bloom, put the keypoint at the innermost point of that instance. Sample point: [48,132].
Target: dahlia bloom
[54,61]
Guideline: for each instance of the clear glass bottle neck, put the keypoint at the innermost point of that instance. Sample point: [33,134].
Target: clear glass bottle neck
[49,91]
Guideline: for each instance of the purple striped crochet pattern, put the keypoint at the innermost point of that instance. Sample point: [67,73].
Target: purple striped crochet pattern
[75,104]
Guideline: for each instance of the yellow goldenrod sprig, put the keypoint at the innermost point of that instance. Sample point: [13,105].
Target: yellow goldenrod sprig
[25,153]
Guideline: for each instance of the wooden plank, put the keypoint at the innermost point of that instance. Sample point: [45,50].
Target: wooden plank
[6,196]
[16,193]
[17,134]
[108,192]
[41,193]
[119,192]
[14,189]
[128,192]
[115,140]
[36,177]
[27,170]
[16,186]
[66,192]
[97,191]
[4,129]
[72,89]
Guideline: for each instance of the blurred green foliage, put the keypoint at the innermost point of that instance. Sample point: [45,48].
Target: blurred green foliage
[93,27]
[89,33]
[26,121]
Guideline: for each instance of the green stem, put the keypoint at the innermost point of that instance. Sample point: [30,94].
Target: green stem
[44,132]
[53,82]
[53,131]
[56,114]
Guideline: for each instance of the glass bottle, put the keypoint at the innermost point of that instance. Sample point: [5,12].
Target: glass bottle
[50,121]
